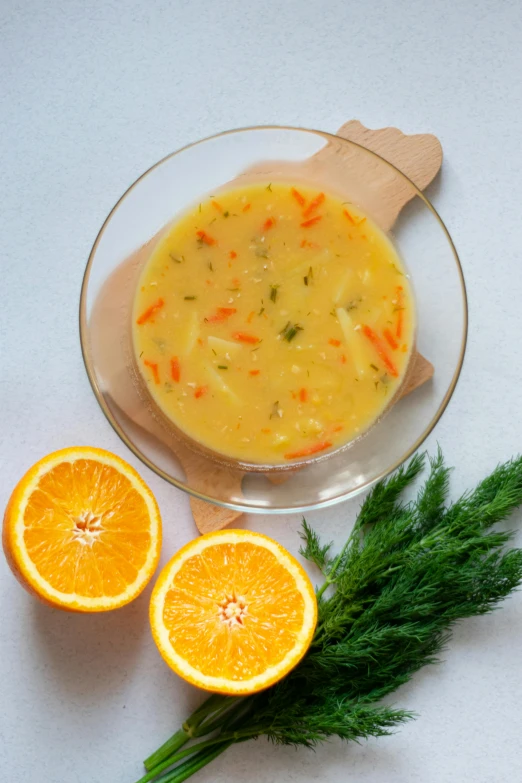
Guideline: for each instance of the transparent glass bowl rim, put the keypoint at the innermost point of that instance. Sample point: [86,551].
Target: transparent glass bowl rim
[91,374]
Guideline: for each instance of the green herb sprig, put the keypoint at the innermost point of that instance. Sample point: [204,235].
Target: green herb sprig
[290,331]
[407,572]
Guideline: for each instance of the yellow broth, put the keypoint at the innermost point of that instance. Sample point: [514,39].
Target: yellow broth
[273,323]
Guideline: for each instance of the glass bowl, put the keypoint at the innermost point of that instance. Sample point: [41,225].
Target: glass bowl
[324,161]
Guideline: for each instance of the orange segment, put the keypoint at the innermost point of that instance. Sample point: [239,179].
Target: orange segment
[82,530]
[233,612]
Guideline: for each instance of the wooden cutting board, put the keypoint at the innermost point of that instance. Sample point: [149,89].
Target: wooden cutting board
[418,156]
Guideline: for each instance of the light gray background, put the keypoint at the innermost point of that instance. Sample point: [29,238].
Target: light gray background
[92,94]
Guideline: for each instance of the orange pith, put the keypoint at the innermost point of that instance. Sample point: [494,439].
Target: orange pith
[82,531]
[233,612]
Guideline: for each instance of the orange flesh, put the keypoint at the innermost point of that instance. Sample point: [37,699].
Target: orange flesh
[248,580]
[87,529]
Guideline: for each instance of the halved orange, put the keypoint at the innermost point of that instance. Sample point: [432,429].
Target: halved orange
[233,612]
[82,531]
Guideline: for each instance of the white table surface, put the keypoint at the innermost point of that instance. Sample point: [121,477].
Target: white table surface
[92,93]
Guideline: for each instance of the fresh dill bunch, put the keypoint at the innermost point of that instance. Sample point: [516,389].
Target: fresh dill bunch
[407,572]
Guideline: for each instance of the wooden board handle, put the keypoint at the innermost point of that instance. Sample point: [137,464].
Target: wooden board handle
[419,156]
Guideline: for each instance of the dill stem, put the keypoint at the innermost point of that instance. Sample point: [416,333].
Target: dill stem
[194,763]
[169,747]
[331,573]
[155,771]
[181,754]
[211,705]
[231,736]
[217,719]
[214,706]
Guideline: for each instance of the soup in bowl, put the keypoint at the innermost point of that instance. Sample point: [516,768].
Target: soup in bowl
[273,323]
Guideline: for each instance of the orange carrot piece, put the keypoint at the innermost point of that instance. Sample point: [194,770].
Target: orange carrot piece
[298,197]
[266,430]
[222,313]
[342,358]
[246,207]
[400,305]
[236,281]
[217,206]
[175,370]
[311,222]
[250,316]
[338,428]
[269,222]
[154,369]
[334,342]
[312,206]
[354,222]
[390,339]
[349,217]
[381,350]
[206,238]
[245,338]
[150,311]
[303,395]
[308,450]
[232,254]
[253,372]
[199,391]
[200,341]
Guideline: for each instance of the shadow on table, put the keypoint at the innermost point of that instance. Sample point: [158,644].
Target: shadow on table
[90,655]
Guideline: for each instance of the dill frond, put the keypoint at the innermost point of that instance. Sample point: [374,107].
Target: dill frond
[406,574]
[312,549]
